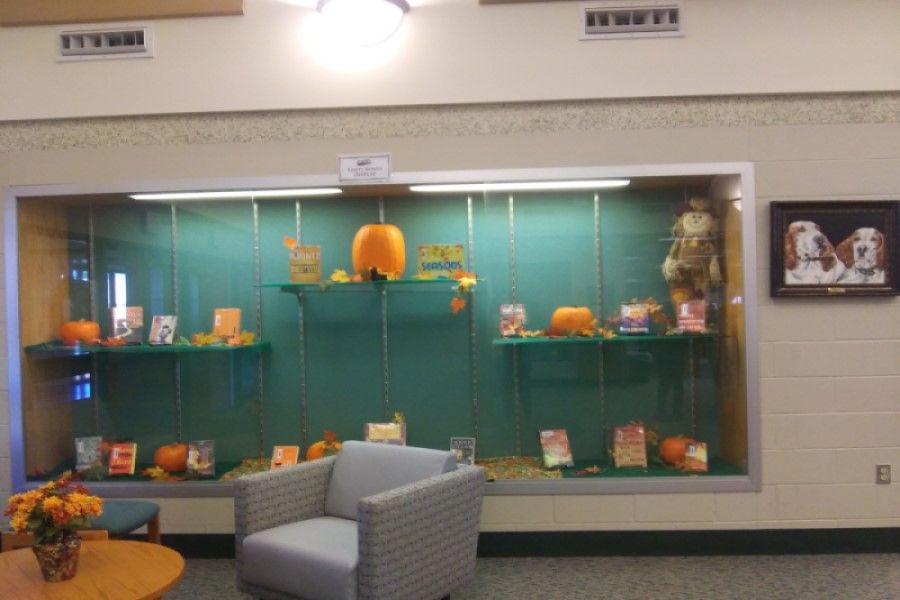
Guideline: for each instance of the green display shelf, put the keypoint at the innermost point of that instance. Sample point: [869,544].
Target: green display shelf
[330,286]
[717,466]
[621,339]
[51,349]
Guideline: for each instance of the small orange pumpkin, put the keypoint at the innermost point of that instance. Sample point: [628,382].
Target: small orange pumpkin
[672,449]
[570,320]
[79,331]
[379,252]
[171,457]
[326,447]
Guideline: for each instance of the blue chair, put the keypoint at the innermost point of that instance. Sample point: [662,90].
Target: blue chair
[121,517]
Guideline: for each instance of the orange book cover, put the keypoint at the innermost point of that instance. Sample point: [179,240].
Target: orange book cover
[226,322]
[122,458]
[283,456]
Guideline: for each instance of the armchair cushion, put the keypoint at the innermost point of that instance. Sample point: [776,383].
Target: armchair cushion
[315,558]
[364,469]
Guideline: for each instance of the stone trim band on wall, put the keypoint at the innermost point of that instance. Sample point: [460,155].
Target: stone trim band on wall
[450,120]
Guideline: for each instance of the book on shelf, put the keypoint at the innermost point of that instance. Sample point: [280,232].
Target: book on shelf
[385,433]
[630,446]
[696,458]
[226,322]
[464,449]
[128,323]
[284,456]
[634,318]
[512,320]
[305,264]
[555,448]
[201,458]
[122,458]
[691,316]
[87,452]
[162,329]
[440,260]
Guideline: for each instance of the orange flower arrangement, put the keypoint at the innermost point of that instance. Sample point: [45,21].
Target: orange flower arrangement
[54,511]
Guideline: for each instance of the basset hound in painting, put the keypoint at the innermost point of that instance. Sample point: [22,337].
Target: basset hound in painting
[863,253]
[809,258]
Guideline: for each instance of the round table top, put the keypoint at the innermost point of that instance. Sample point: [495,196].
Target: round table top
[111,569]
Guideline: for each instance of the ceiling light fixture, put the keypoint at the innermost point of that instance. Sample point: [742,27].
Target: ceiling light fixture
[522,186]
[363,22]
[239,194]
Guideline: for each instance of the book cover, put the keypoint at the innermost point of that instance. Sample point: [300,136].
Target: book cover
[226,322]
[555,448]
[162,329]
[634,318]
[464,449]
[696,458]
[87,452]
[283,456]
[512,320]
[630,446]
[385,433]
[201,459]
[691,316]
[128,323]
[305,264]
[122,458]
[440,260]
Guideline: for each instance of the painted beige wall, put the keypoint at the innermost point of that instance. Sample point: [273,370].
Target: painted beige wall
[830,368]
[457,51]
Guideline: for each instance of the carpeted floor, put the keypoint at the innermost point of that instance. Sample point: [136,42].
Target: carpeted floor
[758,577]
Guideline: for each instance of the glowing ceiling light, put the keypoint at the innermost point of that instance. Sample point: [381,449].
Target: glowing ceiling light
[238,194]
[522,186]
[363,22]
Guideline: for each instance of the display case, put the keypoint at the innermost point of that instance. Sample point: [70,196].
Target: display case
[338,354]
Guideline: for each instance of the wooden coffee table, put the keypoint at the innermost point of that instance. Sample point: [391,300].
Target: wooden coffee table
[113,569]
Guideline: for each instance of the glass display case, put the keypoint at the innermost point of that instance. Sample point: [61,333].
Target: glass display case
[470,346]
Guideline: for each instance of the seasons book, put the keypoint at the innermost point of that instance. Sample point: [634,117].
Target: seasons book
[464,449]
[385,433]
[128,323]
[201,459]
[162,329]
[555,448]
[439,260]
[87,452]
[283,456]
[122,458]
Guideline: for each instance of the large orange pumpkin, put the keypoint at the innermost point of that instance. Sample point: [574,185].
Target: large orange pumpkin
[672,449]
[379,252]
[171,457]
[570,320]
[326,447]
[79,331]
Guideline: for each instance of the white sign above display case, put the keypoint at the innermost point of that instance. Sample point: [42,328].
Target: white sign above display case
[364,167]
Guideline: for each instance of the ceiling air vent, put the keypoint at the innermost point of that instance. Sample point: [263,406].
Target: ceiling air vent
[627,18]
[112,41]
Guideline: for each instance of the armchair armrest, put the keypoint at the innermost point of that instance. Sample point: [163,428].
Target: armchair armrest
[422,536]
[273,498]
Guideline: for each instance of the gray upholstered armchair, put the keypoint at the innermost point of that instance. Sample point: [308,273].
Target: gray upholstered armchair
[374,522]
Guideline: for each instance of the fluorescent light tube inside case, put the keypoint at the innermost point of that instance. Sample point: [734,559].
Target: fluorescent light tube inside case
[522,186]
[238,195]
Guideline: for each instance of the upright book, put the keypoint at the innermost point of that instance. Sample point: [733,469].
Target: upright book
[464,449]
[201,460]
[512,320]
[87,452]
[691,316]
[284,456]
[385,433]
[226,322]
[555,448]
[439,260]
[629,446]
[122,458]
[162,329]
[128,323]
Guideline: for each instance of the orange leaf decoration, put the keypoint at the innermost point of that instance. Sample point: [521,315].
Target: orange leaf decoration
[461,274]
[329,436]
[457,304]
[289,242]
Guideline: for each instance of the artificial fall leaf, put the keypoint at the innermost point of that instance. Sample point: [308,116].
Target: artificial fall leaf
[399,417]
[457,304]
[112,341]
[463,275]
[289,242]
[329,436]
[339,276]
[466,284]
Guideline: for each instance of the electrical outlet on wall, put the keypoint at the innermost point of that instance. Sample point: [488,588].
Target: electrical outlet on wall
[882,474]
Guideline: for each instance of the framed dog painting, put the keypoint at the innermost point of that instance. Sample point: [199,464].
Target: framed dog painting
[835,248]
